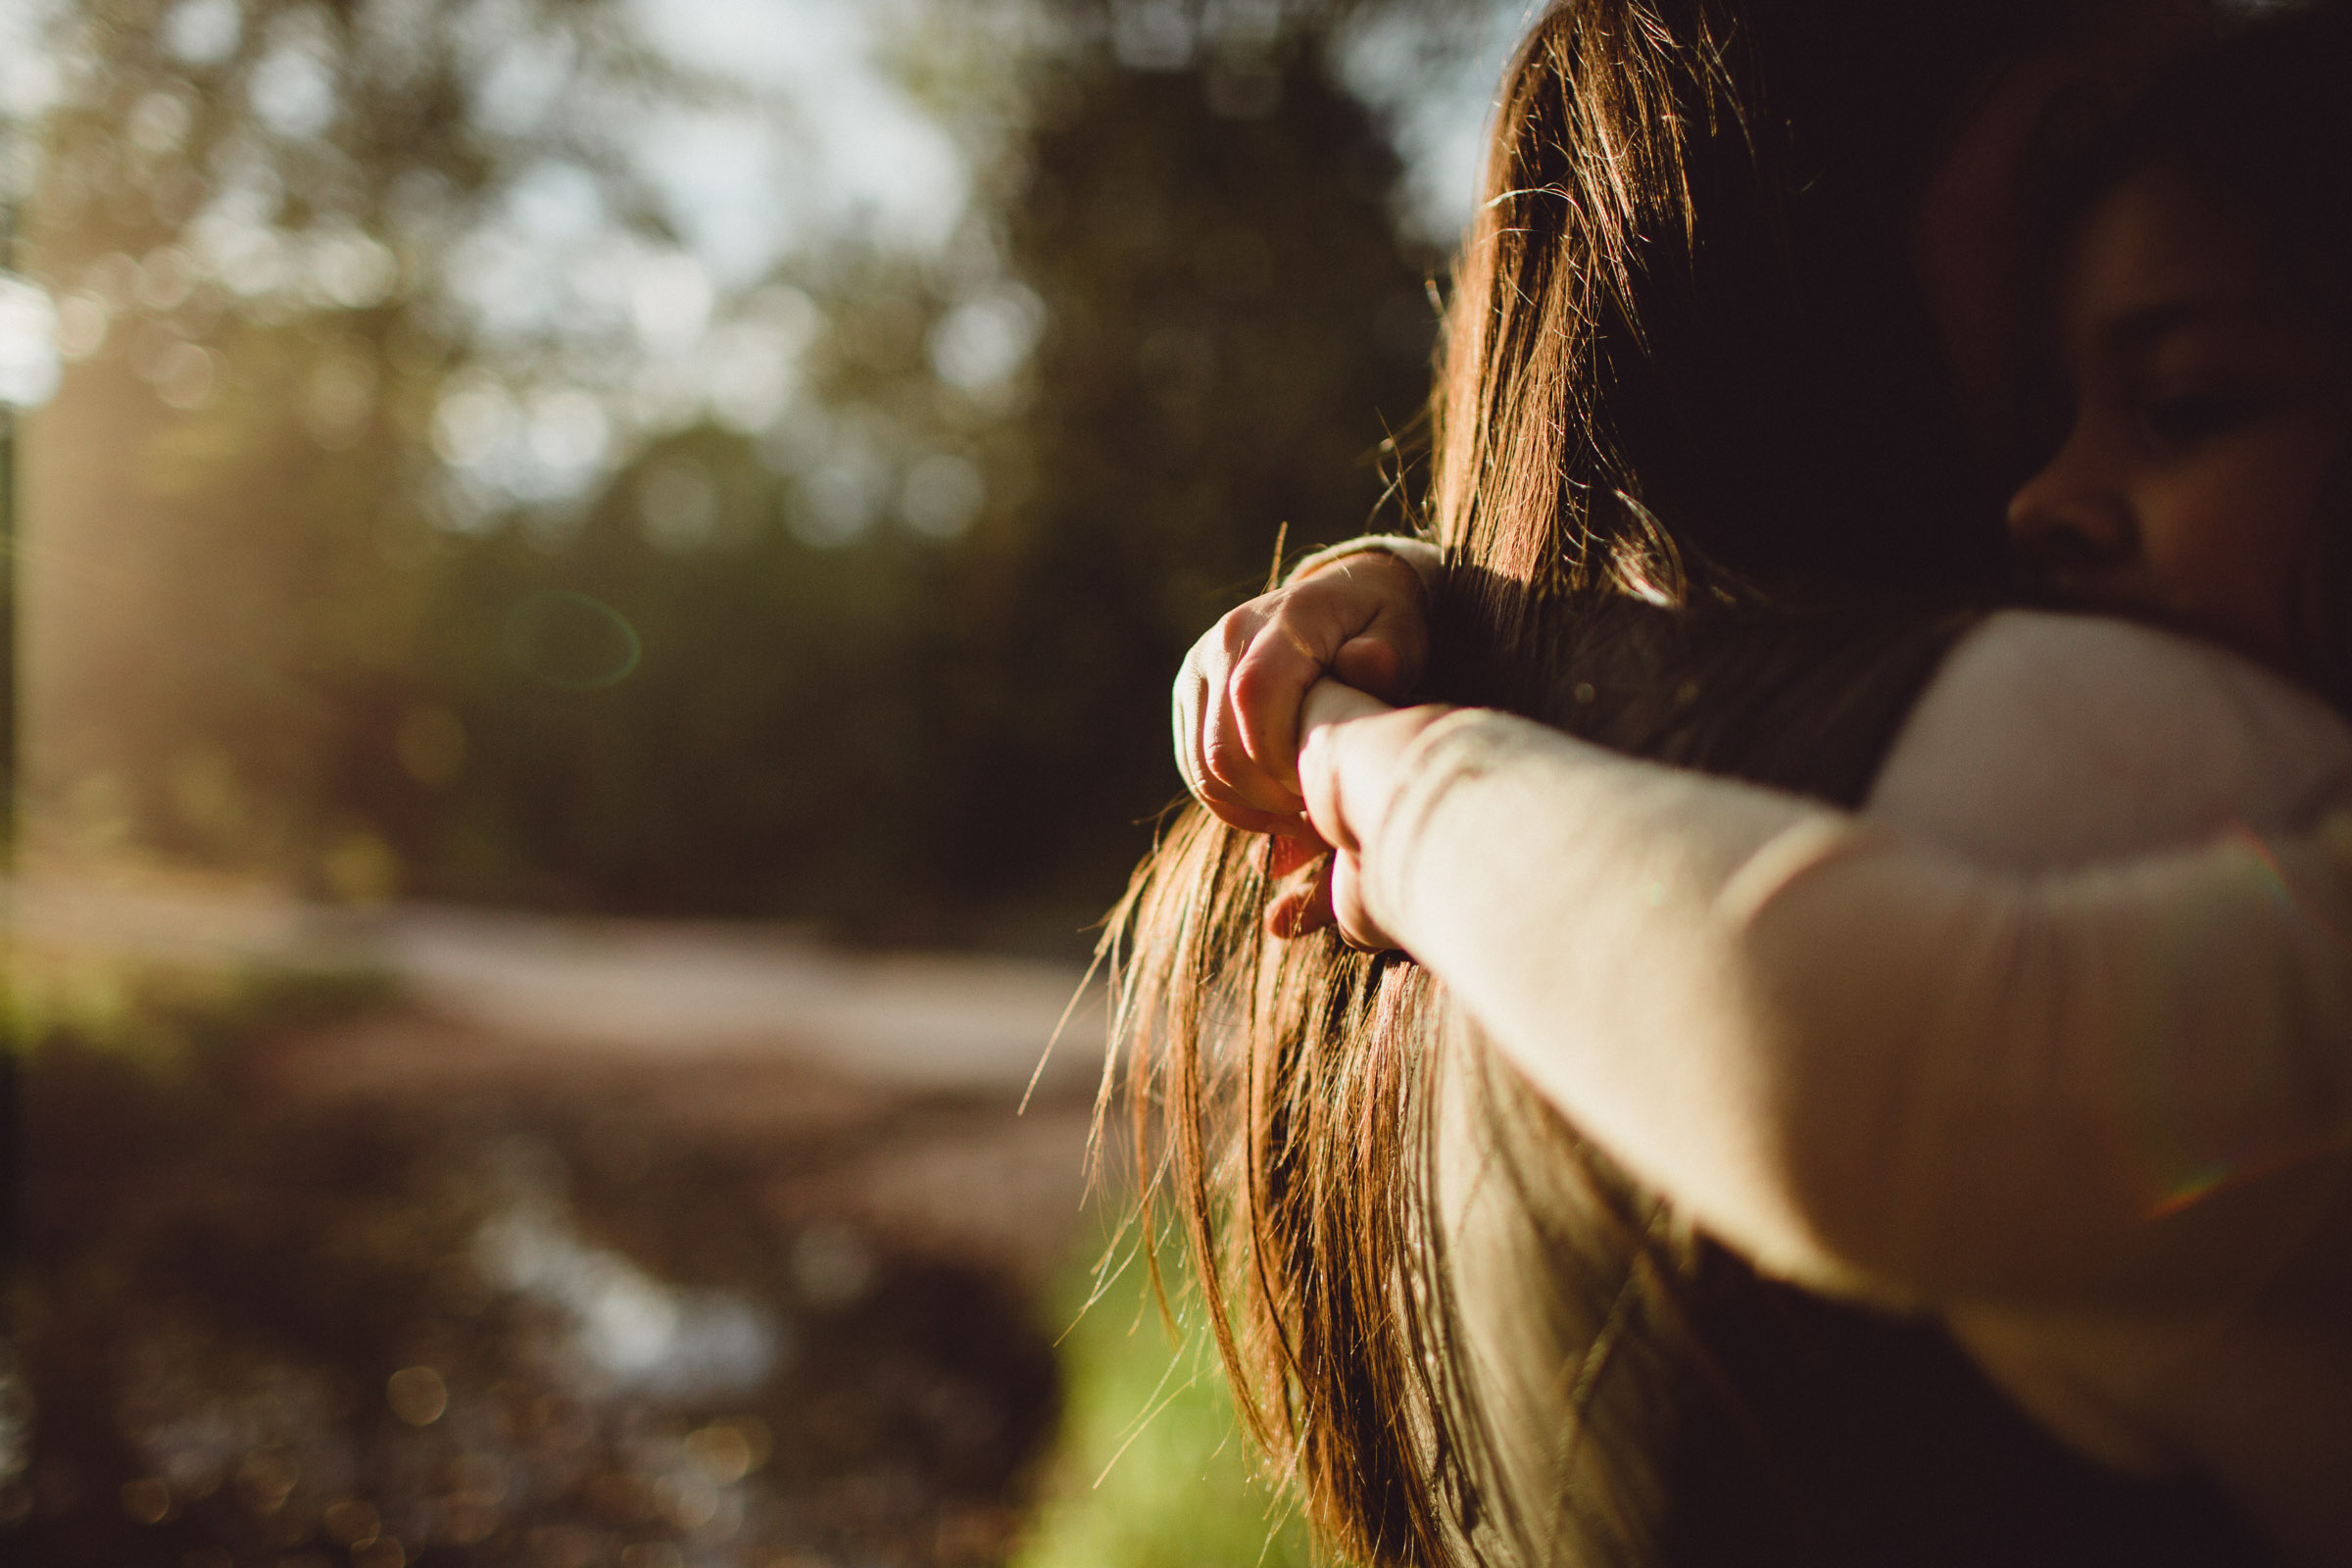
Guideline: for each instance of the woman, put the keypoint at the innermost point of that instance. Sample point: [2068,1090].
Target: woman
[1395,1429]
[1992,1153]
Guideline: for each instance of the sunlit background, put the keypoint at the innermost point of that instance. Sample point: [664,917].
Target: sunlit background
[593,589]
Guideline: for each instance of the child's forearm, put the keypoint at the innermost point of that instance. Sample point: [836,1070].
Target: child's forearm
[1865,1063]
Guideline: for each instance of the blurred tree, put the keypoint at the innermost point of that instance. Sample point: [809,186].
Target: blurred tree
[951,726]
[285,241]
[1235,329]
[427,511]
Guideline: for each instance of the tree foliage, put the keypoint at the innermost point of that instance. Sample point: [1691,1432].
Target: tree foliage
[845,591]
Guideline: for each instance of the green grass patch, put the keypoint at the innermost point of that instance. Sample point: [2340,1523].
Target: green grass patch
[1152,1469]
[169,1019]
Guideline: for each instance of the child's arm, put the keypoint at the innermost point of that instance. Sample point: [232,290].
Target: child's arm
[1863,1059]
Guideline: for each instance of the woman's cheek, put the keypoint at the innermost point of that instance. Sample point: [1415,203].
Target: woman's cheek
[2226,545]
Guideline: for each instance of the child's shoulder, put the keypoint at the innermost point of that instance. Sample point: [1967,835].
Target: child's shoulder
[2050,739]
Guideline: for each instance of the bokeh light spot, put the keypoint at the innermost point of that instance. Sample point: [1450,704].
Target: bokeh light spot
[352,1522]
[384,1552]
[678,505]
[359,867]
[941,495]
[985,340]
[81,323]
[417,1395]
[572,642]
[266,1476]
[202,32]
[183,375]
[722,1450]
[148,1500]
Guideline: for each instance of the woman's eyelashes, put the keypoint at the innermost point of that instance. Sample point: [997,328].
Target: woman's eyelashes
[2180,421]
[2215,379]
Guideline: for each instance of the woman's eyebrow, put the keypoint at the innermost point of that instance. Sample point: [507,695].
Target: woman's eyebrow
[2144,325]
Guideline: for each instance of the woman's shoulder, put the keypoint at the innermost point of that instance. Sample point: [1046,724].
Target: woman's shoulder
[2048,740]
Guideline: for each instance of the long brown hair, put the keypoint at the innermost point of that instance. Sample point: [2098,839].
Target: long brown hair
[1600,347]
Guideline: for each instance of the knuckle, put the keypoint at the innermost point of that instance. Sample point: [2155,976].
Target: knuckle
[1258,683]
[1236,782]
[1225,762]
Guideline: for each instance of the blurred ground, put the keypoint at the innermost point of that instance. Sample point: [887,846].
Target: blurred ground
[653,991]
[546,1243]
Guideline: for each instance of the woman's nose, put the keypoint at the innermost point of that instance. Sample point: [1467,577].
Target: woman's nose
[2066,522]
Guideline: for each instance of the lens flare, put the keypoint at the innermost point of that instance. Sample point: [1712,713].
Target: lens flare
[572,642]
[2202,1118]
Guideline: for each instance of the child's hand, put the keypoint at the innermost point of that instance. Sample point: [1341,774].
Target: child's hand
[1360,620]
[1347,770]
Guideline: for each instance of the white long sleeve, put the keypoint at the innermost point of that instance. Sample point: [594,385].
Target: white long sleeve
[1870,1058]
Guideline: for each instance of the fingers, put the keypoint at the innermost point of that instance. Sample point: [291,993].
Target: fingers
[1287,855]
[1208,753]
[1262,698]
[1249,819]
[1388,655]
[1187,706]
[1343,892]
[1368,613]
[1372,620]
[1301,906]
[1318,886]
[1326,892]
[1239,698]
[1370,664]
[1266,666]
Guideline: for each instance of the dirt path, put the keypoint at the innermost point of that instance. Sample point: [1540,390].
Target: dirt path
[649,990]
[707,1244]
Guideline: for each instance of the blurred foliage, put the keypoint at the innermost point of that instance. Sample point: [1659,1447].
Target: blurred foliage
[371,554]
[383,543]
[1234,333]
[169,1024]
[900,729]
[1152,1469]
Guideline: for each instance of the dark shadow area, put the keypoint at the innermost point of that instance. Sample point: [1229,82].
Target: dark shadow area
[269,1318]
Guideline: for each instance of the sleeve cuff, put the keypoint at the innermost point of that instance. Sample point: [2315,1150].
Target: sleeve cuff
[1427,560]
